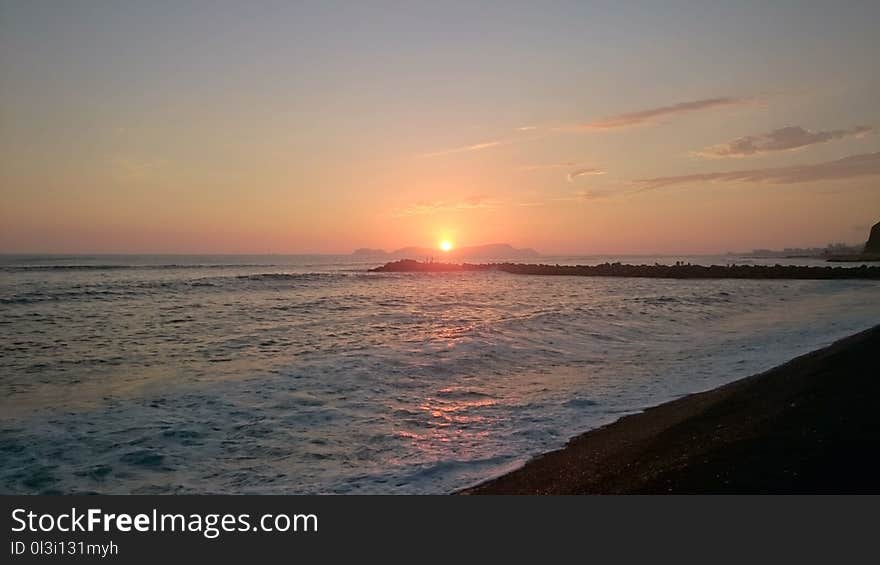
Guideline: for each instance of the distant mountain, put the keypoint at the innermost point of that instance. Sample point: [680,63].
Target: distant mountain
[496,251]
[367,252]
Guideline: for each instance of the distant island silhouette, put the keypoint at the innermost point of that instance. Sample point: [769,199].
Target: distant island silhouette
[490,251]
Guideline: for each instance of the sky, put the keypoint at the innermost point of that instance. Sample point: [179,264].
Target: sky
[321,127]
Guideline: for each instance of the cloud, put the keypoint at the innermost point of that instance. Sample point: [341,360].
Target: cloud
[582,170]
[546,166]
[581,196]
[520,134]
[652,115]
[477,202]
[782,139]
[559,165]
[866,164]
[589,171]
[600,191]
[466,148]
[641,117]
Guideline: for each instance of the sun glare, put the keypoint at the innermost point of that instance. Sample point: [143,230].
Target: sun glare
[446,245]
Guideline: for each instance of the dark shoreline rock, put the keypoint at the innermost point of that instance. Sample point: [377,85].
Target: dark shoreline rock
[677,271]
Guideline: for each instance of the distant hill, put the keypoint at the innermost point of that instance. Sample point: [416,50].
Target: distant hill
[366,251]
[498,251]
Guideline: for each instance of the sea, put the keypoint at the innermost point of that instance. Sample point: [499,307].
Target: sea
[310,374]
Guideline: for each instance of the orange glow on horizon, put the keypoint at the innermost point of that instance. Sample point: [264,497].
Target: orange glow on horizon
[446,245]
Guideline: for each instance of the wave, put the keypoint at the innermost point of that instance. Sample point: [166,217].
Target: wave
[290,276]
[110,267]
[315,276]
[120,288]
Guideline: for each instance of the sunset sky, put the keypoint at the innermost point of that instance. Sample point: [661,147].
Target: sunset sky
[570,127]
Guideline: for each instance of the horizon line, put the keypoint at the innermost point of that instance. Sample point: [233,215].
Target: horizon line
[439,252]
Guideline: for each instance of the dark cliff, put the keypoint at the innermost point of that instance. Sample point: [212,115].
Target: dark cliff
[873,244]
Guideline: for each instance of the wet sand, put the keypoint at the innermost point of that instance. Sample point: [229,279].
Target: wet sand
[811,425]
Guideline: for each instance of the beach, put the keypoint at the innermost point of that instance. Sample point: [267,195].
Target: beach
[807,426]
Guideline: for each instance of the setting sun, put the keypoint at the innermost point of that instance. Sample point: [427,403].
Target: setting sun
[367,249]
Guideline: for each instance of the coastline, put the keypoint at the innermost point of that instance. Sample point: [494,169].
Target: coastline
[810,425]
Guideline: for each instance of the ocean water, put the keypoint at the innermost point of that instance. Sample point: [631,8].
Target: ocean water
[270,374]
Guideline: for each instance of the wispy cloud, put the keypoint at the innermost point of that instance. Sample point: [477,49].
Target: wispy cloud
[548,166]
[520,134]
[866,164]
[476,202]
[652,115]
[584,172]
[467,148]
[615,189]
[580,169]
[556,165]
[782,139]
[579,196]
[585,195]
[641,117]
[608,189]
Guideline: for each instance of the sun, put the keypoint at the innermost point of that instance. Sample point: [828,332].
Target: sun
[446,245]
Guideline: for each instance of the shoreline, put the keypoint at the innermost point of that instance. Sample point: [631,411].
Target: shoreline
[810,425]
[657,271]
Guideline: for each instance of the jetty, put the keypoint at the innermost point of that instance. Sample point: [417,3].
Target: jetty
[657,271]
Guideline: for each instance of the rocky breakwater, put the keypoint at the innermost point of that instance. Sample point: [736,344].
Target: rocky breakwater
[677,271]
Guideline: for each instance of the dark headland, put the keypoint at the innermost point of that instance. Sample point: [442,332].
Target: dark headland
[811,425]
[678,271]
[872,246]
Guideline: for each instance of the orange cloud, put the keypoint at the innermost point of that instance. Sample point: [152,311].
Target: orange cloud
[867,164]
[782,139]
[477,202]
[589,171]
[466,148]
[652,115]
